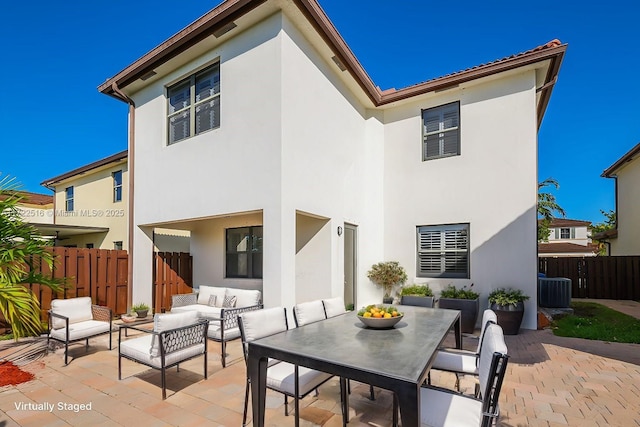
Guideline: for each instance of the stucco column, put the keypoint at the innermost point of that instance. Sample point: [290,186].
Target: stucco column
[278,275]
[142,289]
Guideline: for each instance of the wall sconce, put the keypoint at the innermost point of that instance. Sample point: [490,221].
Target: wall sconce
[339,231]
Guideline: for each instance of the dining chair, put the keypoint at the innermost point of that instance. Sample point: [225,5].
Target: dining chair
[282,376]
[308,312]
[334,307]
[446,408]
[464,362]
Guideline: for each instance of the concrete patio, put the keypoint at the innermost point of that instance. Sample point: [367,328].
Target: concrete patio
[551,381]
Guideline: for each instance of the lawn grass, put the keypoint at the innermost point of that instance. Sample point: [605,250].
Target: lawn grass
[597,322]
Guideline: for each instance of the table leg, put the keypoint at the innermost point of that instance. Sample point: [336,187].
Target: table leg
[344,394]
[458,332]
[257,368]
[408,398]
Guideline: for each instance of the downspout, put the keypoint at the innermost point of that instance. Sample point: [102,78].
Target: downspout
[130,167]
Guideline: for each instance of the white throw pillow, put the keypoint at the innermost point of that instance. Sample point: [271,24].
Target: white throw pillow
[229,301]
[212,300]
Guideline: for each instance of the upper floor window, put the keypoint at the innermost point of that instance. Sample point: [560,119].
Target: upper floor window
[441,131]
[68,199]
[443,251]
[194,104]
[566,233]
[117,186]
[244,252]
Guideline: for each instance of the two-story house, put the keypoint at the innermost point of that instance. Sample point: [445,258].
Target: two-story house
[91,208]
[568,238]
[625,238]
[35,207]
[258,130]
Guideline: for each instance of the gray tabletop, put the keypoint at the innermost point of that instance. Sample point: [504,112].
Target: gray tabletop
[403,352]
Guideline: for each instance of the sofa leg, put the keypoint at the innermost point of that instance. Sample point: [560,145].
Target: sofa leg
[164,384]
[66,352]
[86,346]
[223,355]
[119,367]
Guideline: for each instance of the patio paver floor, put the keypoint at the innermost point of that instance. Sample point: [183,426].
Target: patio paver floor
[551,381]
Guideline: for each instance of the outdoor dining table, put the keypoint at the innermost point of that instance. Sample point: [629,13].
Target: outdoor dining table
[397,359]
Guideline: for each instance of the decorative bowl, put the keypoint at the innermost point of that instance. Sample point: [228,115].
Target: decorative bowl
[380,323]
[128,318]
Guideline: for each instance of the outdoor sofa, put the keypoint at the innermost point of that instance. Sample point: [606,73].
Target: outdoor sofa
[221,306]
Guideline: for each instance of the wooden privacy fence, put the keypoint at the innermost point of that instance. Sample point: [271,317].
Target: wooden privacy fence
[173,274]
[606,277]
[97,273]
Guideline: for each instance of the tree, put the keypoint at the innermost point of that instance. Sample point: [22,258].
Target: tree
[547,206]
[23,252]
[608,224]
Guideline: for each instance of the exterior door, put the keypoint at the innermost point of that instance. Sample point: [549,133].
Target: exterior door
[350,264]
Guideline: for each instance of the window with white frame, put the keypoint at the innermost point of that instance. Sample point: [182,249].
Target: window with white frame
[117,186]
[244,252]
[194,104]
[68,199]
[443,251]
[441,131]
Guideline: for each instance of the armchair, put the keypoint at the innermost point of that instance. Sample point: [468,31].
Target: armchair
[76,319]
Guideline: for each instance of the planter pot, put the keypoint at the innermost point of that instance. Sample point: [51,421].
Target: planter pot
[416,301]
[387,300]
[469,309]
[509,317]
[142,313]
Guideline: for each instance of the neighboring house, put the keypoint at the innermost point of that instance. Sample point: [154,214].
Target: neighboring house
[568,238]
[35,207]
[257,129]
[625,238]
[91,208]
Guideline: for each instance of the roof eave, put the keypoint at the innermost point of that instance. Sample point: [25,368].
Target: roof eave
[610,171]
[86,168]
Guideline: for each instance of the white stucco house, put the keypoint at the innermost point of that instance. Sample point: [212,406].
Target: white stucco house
[568,238]
[625,238]
[256,129]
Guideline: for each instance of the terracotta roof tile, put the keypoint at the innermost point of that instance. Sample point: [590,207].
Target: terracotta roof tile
[564,247]
[32,198]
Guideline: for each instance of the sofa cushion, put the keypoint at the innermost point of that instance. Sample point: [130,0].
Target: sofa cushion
[246,297]
[215,333]
[212,300]
[202,310]
[76,309]
[165,322]
[204,292]
[229,301]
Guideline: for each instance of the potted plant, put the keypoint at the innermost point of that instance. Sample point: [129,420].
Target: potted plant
[464,299]
[420,295]
[141,309]
[387,275]
[508,305]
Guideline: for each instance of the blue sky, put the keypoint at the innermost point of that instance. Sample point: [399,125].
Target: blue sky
[55,54]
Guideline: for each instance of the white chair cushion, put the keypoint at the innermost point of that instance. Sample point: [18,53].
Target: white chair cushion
[443,409]
[202,310]
[81,330]
[138,349]
[309,312]
[334,307]
[261,323]
[204,292]
[493,342]
[76,309]
[281,377]
[245,297]
[165,322]
[464,362]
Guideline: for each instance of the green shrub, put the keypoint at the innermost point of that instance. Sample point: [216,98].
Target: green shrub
[510,296]
[417,290]
[462,293]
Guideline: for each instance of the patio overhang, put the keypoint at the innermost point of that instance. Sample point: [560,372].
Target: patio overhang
[65,231]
